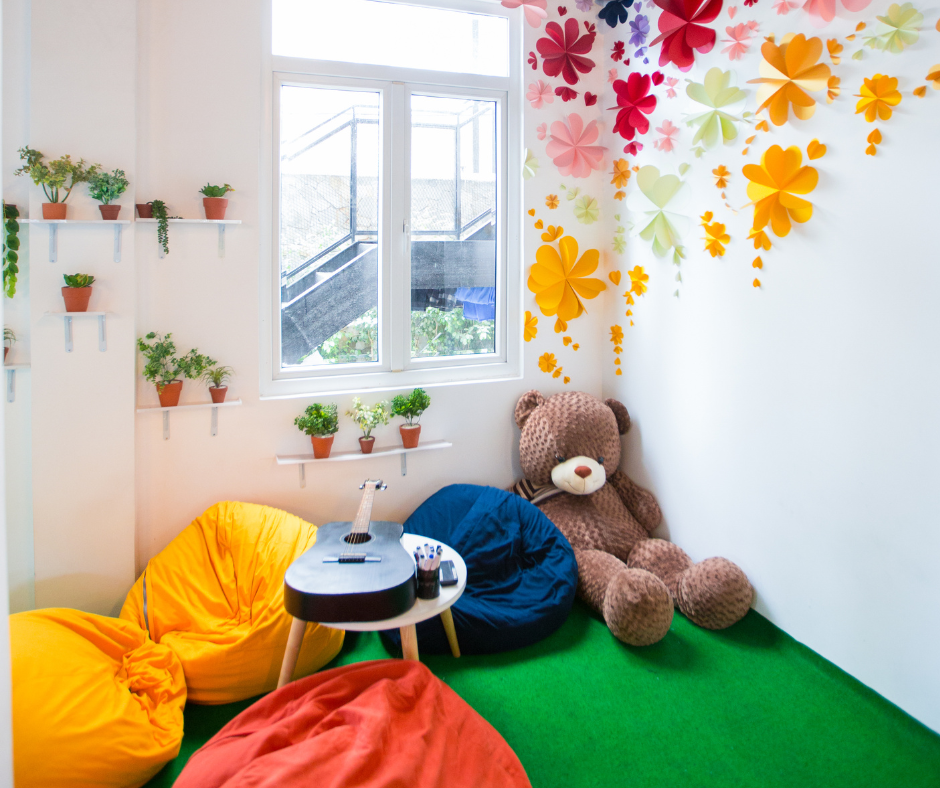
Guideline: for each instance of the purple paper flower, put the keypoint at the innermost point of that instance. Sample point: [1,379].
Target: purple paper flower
[640,26]
[584,5]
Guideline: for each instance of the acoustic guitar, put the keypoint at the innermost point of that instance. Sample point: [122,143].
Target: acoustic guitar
[356,571]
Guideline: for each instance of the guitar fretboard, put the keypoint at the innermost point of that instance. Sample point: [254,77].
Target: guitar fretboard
[364,515]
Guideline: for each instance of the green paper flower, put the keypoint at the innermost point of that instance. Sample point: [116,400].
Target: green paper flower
[664,228]
[586,210]
[530,165]
[897,30]
[724,102]
[620,244]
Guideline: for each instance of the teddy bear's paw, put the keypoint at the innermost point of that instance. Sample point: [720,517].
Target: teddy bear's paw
[664,559]
[637,607]
[714,593]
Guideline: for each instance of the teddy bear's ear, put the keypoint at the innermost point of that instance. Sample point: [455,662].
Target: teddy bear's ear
[620,411]
[527,403]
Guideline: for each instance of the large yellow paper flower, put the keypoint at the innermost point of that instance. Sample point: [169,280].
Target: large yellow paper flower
[877,96]
[773,186]
[560,281]
[787,71]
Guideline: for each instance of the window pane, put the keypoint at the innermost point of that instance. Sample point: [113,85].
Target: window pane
[329,205]
[392,34]
[453,227]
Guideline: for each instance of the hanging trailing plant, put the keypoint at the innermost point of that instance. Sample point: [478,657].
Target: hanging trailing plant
[159,213]
[11,245]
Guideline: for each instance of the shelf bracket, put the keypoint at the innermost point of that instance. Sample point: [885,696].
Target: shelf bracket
[53,242]
[166,425]
[68,333]
[303,476]
[102,337]
[117,243]
[221,240]
[215,422]
[11,385]
[404,464]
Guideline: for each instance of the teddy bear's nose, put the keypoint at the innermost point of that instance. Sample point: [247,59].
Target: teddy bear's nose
[583,471]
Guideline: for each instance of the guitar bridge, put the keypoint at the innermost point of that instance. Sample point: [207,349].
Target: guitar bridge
[351,558]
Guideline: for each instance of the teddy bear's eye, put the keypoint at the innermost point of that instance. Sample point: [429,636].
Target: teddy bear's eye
[559,458]
[600,460]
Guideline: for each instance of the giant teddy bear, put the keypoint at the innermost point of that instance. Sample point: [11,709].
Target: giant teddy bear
[570,455]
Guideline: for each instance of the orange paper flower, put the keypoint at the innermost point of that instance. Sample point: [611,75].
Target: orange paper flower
[616,335]
[722,174]
[531,326]
[638,280]
[560,281]
[833,89]
[787,72]
[547,362]
[551,202]
[774,185]
[620,173]
[835,49]
[761,241]
[715,238]
[933,76]
[877,96]
[553,233]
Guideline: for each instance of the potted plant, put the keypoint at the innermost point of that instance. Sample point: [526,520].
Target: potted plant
[320,422]
[9,339]
[214,200]
[77,291]
[368,419]
[105,187]
[57,178]
[11,246]
[411,408]
[216,377]
[166,370]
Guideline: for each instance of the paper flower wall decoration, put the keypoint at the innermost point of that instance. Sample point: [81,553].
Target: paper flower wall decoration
[715,236]
[682,30]
[664,228]
[774,185]
[898,29]
[723,101]
[667,142]
[560,280]
[633,104]
[572,149]
[614,12]
[616,335]
[824,11]
[738,40]
[530,165]
[722,174]
[877,96]
[563,51]
[620,173]
[933,76]
[534,10]
[540,94]
[639,30]
[547,362]
[638,280]
[551,202]
[531,327]
[586,210]
[787,71]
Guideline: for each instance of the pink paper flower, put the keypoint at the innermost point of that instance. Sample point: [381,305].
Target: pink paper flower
[667,142]
[541,130]
[739,41]
[540,93]
[784,7]
[824,11]
[633,148]
[571,147]
[534,10]
[611,75]
[671,83]
[732,11]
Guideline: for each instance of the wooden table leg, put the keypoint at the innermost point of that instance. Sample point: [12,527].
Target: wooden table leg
[448,621]
[409,642]
[294,640]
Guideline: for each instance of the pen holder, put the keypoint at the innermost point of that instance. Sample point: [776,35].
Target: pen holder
[429,583]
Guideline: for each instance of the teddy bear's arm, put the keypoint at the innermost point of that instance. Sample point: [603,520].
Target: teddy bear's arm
[641,503]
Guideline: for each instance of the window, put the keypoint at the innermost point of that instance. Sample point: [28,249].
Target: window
[395,230]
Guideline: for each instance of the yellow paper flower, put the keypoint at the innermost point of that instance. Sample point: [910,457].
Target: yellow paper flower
[877,96]
[706,217]
[629,297]
[557,372]
[722,174]
[560,281]
[773,186]
[547,362]
[619,195]
[621,173]
[787,72]
[638,280]
[616,335]
[553,233]
[715,238]
[531,326]
[835,49]
[761,241]
[551,202]
[833,89]
[933,76]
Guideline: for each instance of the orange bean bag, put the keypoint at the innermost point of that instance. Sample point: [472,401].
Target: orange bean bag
[369,725]
[215,596]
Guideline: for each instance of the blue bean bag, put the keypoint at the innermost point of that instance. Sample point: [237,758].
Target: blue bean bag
[521,571]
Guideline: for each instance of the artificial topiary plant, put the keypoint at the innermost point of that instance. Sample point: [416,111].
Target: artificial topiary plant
[318,420]
[58,177]
[412,406]
[164,366]
[105,187]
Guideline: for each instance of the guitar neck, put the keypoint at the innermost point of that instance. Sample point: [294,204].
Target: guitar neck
[364,515]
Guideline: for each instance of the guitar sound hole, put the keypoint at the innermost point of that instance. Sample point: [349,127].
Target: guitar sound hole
[357,538]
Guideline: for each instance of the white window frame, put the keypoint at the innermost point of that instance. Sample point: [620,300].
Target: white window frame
[395,368]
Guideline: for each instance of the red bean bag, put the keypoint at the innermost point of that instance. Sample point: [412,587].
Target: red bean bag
[370,725]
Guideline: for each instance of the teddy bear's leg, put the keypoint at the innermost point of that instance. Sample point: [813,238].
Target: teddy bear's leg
[635,603]
[713,593]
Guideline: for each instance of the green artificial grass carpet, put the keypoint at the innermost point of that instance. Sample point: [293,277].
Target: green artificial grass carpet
[748,706]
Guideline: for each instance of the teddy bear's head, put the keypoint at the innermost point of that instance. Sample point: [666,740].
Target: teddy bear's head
[571,439]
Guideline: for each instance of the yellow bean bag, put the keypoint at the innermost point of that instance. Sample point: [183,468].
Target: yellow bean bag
[215,596]
[95,701]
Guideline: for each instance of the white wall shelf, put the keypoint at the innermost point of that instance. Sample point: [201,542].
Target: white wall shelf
[11,370]
[214,429]
[220,222]
[102,337]
[117,224]
[347,456]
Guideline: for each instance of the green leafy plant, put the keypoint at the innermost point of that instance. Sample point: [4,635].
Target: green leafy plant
[435,332]
[58,176]
[9,336]
[11,247]
[107,186]
[164,366]
[217,376]
[78,280]
[163,226]
[319,420]
[215,191]
[412,406]
[369,418]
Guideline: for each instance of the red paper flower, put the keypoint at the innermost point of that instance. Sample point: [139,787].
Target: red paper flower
[533,61]
[657,77]
[681,30]
[563,51]
[566,93]
[617,54]
[749,3]
[590,99]
[562,10]
[633,148]
[634,103]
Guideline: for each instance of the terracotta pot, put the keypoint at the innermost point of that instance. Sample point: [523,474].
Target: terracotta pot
[410,435]
[366,445]
[169,393]
[218,393]
[109,212]
[321,446]
[144,210]
[76,298]
[6,352]
[215,207]
[53,210]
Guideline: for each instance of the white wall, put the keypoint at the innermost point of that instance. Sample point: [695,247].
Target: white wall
[794,428]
